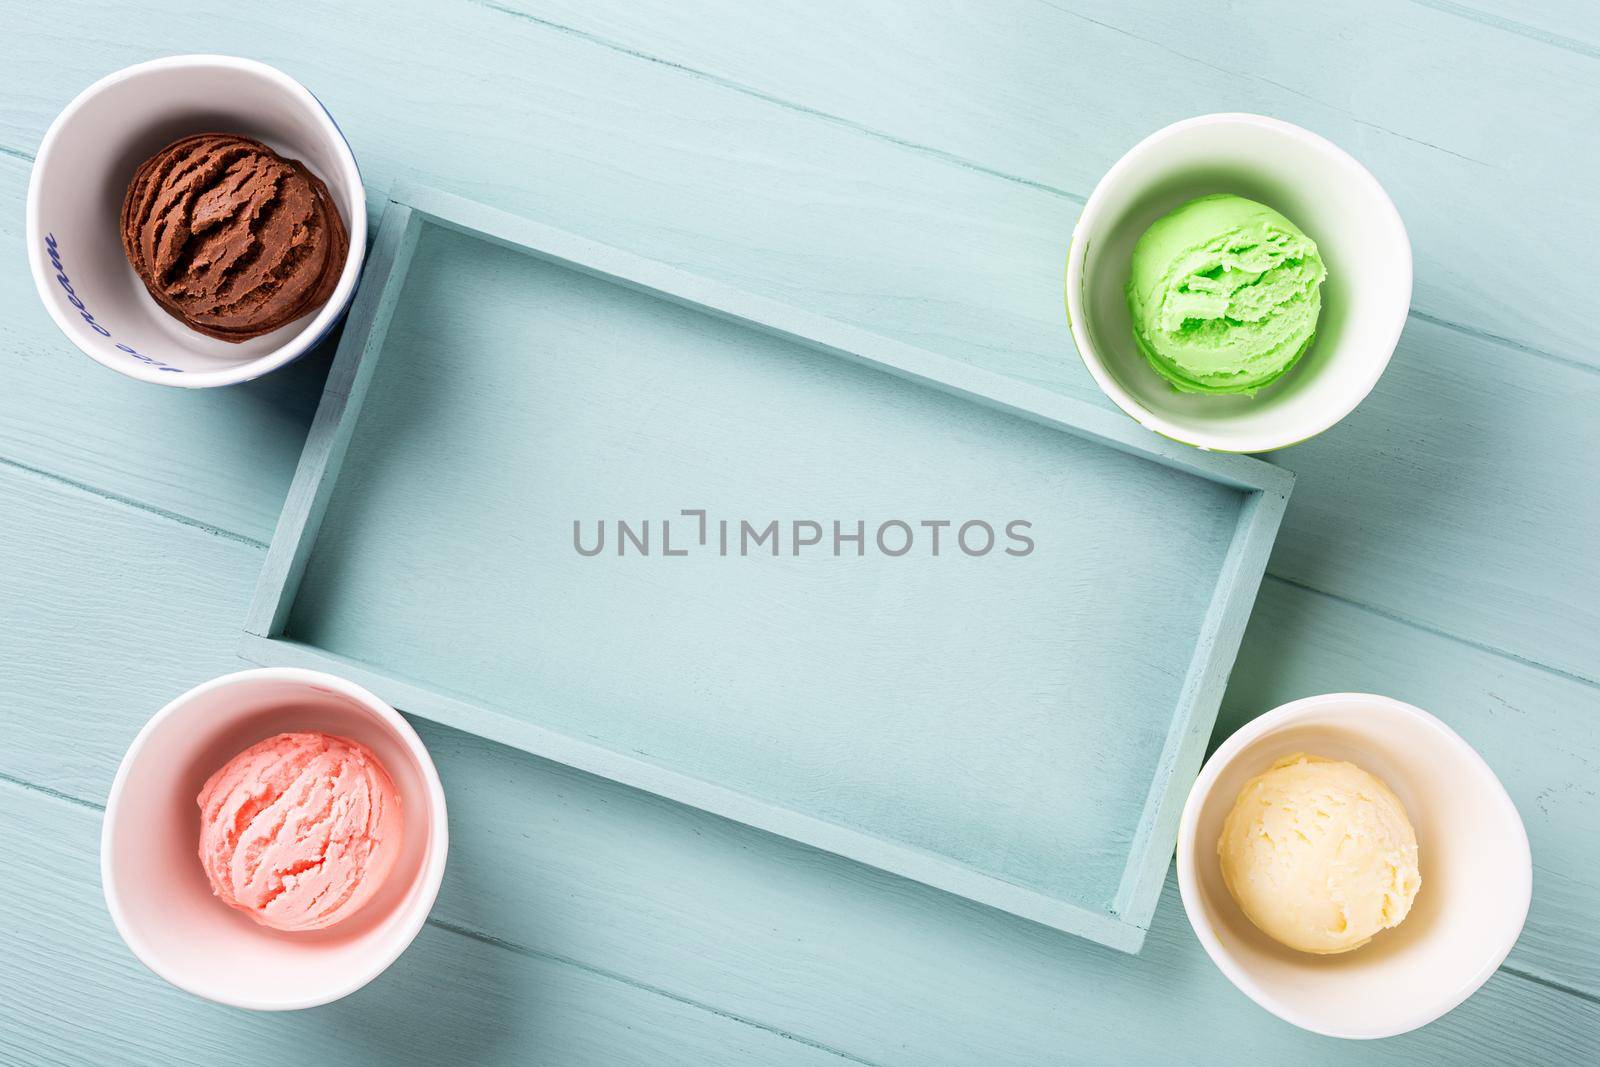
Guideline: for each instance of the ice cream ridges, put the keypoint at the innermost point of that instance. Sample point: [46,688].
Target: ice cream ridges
[300,830]
[231,238]
[1320,855]
[1224,294]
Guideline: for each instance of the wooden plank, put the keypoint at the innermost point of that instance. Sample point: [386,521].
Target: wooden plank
[75,994]
[1573,25]
[968,981]
[631,165]
[1053,93]
[108,612]
[969,266]
[1461,495]
[571,866]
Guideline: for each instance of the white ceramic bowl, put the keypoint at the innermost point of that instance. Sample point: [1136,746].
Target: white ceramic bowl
[1477,873]
[158,893]
[1327,194]
[75,197]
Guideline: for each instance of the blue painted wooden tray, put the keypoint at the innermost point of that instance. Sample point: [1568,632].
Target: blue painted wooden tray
[1017,727]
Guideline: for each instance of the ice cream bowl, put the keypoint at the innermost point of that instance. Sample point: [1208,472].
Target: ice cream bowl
[1477,872]
[156,887]
[1328,194]
[74,206]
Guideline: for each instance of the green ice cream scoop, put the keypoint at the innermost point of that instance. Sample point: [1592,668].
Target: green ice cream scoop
[1225,294]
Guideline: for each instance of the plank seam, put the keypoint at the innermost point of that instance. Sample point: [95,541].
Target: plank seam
[601,972]
[1443,6]
[56,794]
[512,946]
[1551,983]
[778,101]
[968,164]
[1418,624]
[1186,57]
[129,502]
[1532,33]
[1500,339]
[523,950]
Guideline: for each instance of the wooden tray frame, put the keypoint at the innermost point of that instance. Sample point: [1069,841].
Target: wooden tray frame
[411,208]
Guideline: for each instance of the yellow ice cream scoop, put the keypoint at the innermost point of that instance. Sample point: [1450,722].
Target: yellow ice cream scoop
[1319,854]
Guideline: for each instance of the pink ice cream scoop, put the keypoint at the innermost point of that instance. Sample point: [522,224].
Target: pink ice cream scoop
[300,830]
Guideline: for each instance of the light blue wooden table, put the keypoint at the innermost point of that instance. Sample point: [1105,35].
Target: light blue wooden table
[914,168]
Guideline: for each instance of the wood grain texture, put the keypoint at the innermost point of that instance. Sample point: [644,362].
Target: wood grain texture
[106,608]
[1572,25]
[461,996]
[75,995]
[1461,496]
[786,203]
[570,866]
[1020,88]
[944,250]
[972,985]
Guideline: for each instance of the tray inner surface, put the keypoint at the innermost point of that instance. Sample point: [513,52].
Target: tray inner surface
[1005,712]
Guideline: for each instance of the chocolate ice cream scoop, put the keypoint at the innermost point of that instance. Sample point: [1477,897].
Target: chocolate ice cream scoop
[231,238]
